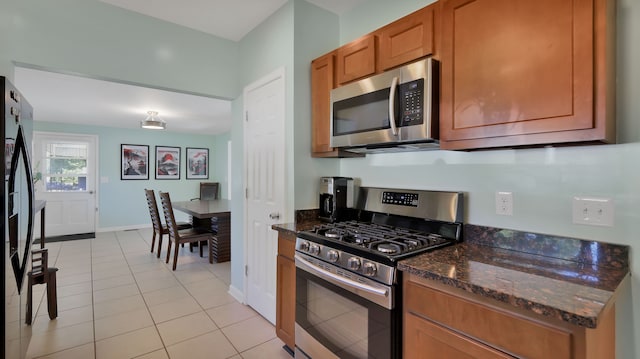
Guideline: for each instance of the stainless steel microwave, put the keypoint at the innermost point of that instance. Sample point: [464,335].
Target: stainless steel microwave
[392,111]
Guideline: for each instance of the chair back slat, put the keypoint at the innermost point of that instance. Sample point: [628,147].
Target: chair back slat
[153,210]
[169,217]
[39,261]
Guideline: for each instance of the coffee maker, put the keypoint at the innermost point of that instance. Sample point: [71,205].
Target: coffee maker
[336,196]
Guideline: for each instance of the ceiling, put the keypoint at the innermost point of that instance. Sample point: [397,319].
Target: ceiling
[229,19]
[104,103]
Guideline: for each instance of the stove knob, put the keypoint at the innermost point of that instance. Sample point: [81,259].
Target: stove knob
[304,246]
[354,263]
[332,256]
[370,269]
[314,249]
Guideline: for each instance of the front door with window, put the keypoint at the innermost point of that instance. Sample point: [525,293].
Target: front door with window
[64,168]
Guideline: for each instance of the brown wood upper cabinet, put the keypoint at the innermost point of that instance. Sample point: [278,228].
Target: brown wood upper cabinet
[322,82]
[321,85]
[356,59]
[408,39]
[405,40]
[526,72]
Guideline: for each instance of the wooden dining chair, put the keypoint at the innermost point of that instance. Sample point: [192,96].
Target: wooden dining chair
[159,228]
[178,236]
[208,191]
[41,273]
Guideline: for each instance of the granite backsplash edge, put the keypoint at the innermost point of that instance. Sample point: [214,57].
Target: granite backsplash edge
[566,248]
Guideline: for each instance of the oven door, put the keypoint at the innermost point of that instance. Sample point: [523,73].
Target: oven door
[341,317]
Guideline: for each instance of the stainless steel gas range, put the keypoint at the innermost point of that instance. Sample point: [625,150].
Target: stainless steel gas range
[348,295]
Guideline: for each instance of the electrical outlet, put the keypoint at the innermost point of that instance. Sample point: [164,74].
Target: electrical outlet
[593,211]
[504,203]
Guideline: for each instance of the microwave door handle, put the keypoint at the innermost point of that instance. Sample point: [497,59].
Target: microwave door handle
[392,105]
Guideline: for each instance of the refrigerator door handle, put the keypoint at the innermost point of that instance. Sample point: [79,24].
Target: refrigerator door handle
[19,266]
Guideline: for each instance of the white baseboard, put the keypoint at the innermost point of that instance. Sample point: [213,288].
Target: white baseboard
[237,294]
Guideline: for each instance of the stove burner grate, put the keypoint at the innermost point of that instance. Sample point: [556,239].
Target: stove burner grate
[379,238]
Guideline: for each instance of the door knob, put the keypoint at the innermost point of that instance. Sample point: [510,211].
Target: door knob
[274,215]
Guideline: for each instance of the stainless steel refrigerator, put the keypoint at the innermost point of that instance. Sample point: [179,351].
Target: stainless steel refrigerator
[17,217]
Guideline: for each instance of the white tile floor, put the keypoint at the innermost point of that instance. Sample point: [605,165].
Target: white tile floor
[117,300]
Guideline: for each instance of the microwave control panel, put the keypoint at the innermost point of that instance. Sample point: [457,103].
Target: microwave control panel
[412,102]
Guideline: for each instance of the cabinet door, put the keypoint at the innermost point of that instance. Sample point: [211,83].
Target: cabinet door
[425,340]
[357,59]
[407,39]
[285,300]
[497,328]
[517,72]
[321,86]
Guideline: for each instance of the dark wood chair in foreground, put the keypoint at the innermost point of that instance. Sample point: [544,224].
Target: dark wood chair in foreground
[178,236]
[159,228]
[41,274]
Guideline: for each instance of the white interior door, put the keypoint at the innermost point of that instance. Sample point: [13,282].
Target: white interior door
[265,188]
[65,168]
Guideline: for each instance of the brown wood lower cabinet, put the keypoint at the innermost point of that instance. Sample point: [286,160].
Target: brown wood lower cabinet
[444,322]
[286,289]
[426,339]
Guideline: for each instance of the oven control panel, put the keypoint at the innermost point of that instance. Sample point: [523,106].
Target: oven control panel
[354,265]
[400,198]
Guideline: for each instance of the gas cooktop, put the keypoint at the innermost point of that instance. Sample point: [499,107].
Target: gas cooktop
[391,225]
[385,239]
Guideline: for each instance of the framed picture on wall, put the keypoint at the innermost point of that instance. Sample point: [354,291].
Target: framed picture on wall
[167,162]
[134,162]
[197,163]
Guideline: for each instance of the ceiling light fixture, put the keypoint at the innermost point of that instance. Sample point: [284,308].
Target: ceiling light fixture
[152,122]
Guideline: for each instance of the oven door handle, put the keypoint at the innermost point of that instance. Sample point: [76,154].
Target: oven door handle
[309,267]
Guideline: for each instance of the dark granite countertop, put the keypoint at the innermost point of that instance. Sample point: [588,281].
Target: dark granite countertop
[568,279]
[284,227]
[305,220]
[294,227]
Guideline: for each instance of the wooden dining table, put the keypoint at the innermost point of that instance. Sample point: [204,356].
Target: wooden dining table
[215,216]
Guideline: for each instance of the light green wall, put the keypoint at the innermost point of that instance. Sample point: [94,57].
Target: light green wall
[121,203]
[220,156]
[264,50]
[316,33]
[94,39]
[544,180]
[292,37]
[372,14]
